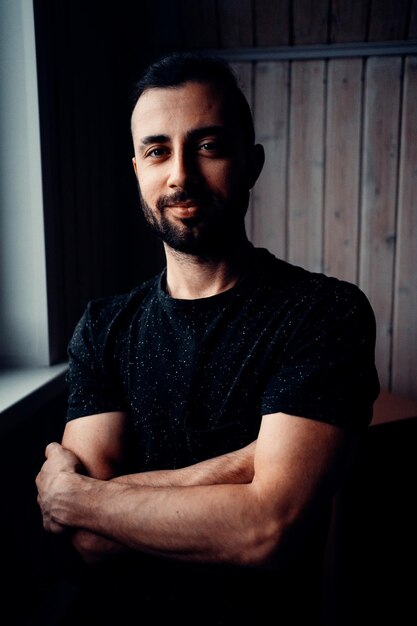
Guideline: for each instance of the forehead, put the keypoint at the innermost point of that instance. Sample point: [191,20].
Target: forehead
[180,109]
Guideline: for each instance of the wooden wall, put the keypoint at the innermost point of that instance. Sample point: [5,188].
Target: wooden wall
[339,190]
[263,23]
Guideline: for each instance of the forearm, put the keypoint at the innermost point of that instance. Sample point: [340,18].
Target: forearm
[297,467]
[216,523]
[235,467]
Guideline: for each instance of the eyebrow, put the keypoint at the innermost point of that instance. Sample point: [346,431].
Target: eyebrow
[146,141]
[199,133]
[191,135]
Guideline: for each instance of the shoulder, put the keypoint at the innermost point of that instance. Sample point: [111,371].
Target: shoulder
[102,315]
[311,292]
[326,353]
[108,307]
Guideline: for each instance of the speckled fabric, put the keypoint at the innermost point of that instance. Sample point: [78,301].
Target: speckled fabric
[196,376]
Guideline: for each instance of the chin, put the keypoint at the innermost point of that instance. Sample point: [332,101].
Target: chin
[205,243]
[210,235]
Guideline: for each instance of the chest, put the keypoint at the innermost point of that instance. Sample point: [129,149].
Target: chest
[194,379]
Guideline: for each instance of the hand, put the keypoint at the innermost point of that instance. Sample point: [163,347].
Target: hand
[59,463]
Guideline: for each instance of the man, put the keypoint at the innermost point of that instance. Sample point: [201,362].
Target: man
[214,410]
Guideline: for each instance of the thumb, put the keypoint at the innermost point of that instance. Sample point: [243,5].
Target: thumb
[51,447]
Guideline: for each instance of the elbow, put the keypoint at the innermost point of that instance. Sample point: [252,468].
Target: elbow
[95,549]
[265,545]
[86,545]
[271,537]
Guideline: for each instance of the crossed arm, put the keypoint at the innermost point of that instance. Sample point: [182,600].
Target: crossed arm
[249,507]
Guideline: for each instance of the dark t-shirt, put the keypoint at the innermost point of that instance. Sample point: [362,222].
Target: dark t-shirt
[196,377]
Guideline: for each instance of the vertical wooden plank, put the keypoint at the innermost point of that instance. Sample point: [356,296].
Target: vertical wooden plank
[272,22]
[412,29]
[199,21]
[305,188]
[244,73]
[310,21]
[379,184]
[235,23]
[349,21]
[405,302]
[389,20]
[271,122]
[343,130]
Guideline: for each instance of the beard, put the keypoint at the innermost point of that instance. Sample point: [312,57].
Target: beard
[212,233]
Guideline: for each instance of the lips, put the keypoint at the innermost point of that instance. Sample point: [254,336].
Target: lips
[184,210]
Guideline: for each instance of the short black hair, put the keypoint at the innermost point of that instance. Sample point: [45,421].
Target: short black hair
[177,68]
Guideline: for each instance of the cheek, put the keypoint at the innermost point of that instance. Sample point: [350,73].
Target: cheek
[224,179]
[149,185]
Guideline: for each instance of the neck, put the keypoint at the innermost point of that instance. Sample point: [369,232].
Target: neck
[190,277]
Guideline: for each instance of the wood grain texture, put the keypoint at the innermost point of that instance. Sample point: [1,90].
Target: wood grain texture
[244,73]
[208,24]
[379,185]
[412,28]
[272,18]
[235,23]
[389,20]
[306,164]
[310,21]
[271,123]
[405,309]
[343,133]
[349,20]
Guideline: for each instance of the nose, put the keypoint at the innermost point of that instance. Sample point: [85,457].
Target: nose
[182,170]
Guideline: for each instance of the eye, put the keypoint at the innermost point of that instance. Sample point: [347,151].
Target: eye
[156,152]
[213,147]
[208,145]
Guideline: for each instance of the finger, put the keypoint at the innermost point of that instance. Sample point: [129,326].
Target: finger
[48,522]
[56,529]
[52,527]
[51,447]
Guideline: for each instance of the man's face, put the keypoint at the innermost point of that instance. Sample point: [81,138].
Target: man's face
[192,165]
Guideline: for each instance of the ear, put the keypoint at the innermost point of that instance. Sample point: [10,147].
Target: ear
[256,164]
[135,167]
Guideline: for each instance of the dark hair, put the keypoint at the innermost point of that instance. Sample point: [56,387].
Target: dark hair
[178,68]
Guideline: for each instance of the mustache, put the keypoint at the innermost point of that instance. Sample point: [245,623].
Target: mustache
[183,197]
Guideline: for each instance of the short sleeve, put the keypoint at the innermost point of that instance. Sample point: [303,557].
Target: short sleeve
[92,380]
[327,370]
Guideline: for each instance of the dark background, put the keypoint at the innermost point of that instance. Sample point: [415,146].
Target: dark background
[89,56]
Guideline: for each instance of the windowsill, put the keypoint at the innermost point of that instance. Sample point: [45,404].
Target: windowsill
[24,390]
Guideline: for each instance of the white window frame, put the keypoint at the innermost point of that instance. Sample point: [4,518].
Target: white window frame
[24,334]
